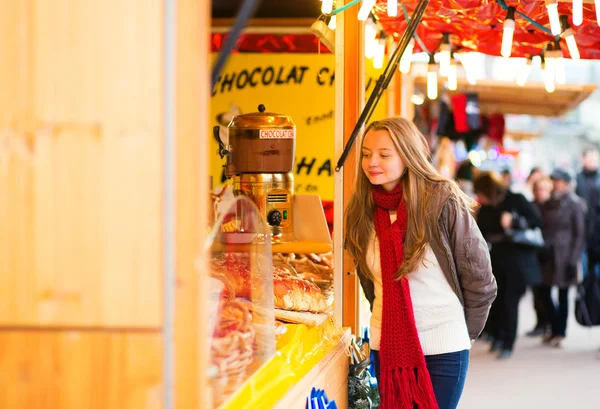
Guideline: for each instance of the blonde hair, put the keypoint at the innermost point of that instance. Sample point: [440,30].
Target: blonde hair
[420,184]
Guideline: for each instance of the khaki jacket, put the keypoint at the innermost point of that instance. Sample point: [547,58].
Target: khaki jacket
[464,258]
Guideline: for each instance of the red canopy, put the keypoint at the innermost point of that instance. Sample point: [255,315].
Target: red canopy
[476,25]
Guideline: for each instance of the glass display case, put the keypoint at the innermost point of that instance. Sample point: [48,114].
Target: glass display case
[241,324]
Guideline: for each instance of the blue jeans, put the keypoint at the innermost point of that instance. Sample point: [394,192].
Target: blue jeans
[448,375]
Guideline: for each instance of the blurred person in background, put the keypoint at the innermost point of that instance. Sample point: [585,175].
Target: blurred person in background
[534,175]
[464,177]
[588,188]
[541,190]
[515,266]
[564,235]
[507,177]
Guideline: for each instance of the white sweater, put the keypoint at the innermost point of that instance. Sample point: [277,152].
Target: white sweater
[439,315]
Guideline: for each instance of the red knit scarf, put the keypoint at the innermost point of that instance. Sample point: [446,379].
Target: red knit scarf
[405,380]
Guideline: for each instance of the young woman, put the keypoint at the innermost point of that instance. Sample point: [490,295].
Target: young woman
[423,265]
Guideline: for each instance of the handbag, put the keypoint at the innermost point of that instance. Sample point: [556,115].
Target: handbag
[587,303]
[528,237]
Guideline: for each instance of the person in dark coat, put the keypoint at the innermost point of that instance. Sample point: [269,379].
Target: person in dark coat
[564,236]
[515,266]
[541,190]
[588,188]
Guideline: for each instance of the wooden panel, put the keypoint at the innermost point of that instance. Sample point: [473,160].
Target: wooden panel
[80,163]
[74,370]
[193,99]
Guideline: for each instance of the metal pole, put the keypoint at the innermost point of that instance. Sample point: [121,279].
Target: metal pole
[246,12]
[169,160]
[384,79]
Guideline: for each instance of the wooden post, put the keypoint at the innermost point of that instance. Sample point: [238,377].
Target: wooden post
[349,102]
[193,106]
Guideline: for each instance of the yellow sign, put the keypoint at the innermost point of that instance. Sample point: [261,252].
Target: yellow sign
[298,85]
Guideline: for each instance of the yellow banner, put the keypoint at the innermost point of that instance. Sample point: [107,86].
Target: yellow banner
[298,85]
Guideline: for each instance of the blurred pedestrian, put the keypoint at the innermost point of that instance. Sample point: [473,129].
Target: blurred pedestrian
[588,187]
[564,236]
[541,191]
[515,266]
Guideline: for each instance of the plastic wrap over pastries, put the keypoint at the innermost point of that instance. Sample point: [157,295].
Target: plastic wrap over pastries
[290,292]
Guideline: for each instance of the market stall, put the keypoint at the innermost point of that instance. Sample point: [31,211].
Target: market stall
[267,248]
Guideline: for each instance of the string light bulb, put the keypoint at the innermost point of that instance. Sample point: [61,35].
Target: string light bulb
[326,6]
[559,64]
[370,38]
[406,58]
[577,12]
[552,8]
[365,9]
[445,50]
[392,8]
[569,37]
[508,33]
[452,75]
[432,85]
[548,75]
[379,53]
[332,23]
[524,73]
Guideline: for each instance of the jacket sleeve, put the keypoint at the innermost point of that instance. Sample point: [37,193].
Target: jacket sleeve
[473,266]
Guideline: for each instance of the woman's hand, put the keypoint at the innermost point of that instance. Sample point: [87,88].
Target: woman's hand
[506,220]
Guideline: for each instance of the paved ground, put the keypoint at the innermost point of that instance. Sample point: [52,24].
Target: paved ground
[537,376]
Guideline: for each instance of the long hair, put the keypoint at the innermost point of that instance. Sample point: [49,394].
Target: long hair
[421,182]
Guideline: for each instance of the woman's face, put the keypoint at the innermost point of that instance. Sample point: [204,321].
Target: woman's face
[542,191]
[381,161]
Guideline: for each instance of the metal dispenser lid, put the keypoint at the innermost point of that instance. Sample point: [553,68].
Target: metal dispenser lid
[261,120]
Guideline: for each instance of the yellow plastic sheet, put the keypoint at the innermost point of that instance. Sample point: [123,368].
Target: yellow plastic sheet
[298,351]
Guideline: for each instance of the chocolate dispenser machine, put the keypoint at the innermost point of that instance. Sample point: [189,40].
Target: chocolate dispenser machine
[260,158]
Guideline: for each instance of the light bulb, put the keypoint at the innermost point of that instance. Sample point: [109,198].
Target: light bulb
[508,33]
[370,34]
[417,99]
[445,50]
[577,12]
[432,86]
[452,76]
[507,38]
[571,44]
[332,23]
[365,9]
[392,8]
[559,65]
[597,6]
[548,74]
[552,7]
[379,54]
[444,59]
[524,73]
[326,6]
[406,58]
